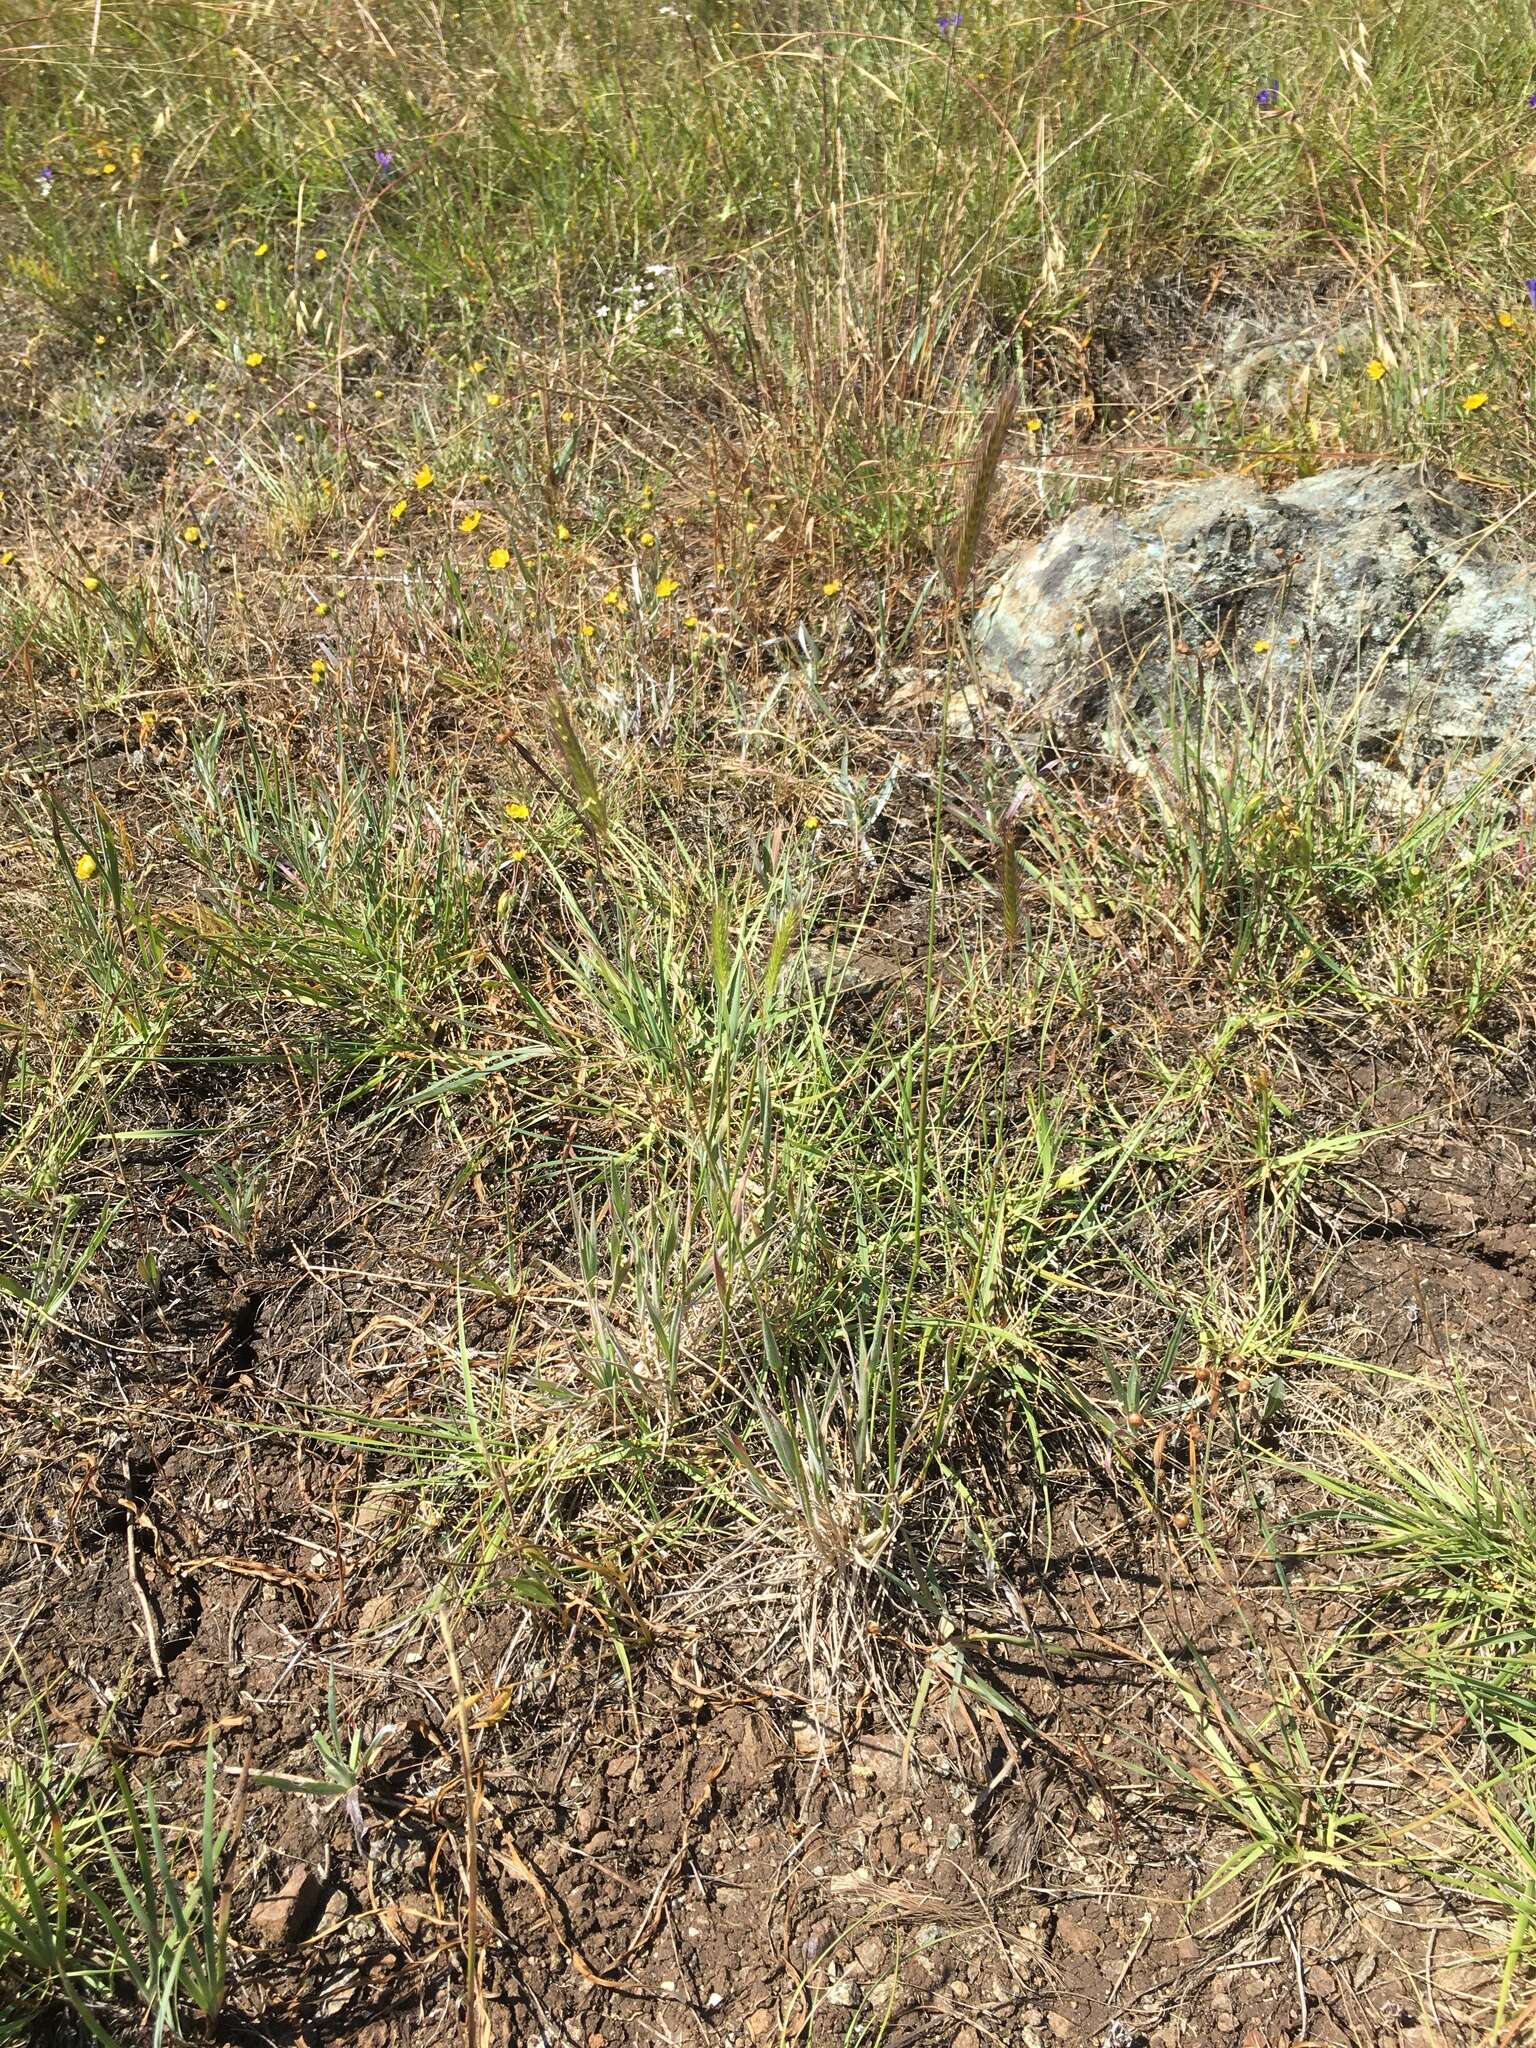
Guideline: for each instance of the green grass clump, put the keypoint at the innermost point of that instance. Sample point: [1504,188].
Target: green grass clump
[99,1919]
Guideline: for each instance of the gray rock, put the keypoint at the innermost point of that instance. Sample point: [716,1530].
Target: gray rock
[1388,599]
[1269,369]
[334,1912]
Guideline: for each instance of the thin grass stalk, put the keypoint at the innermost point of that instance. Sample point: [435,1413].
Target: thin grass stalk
[989,456]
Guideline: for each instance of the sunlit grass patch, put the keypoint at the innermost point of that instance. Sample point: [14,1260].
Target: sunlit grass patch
[107,1914]
[541,1002]
[1442,1530]
[1267,844]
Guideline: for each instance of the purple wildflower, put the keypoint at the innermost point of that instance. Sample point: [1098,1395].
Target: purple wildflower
[1530,99]
[385,159]
[1268,95]
[45,178]
[948,23]
[1530,289]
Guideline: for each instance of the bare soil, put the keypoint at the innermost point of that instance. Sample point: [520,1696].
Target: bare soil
[673,1845]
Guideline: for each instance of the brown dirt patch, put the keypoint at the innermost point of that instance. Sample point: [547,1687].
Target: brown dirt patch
[672,1844]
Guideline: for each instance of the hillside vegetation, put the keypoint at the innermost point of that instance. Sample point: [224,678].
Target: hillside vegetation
[718,1352]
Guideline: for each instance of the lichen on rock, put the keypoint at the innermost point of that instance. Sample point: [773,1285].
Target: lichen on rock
[1387,599]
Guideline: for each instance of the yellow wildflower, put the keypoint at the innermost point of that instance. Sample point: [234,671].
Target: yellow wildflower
[193,536]
[397,510]
[322,609]
[1474,400]
[587,629]
[91,582]
[424,477]
[832,587]
[666,587]
[493,398]
[498,558]
[321,255]
[1261,647]
[1375,369]
[1506,319]
[261,248]
[517,853]
[191,418]
[1032,425]
[221,305]
[517,812]
[647,539]
[85,867]
[254,359]
[469,522]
